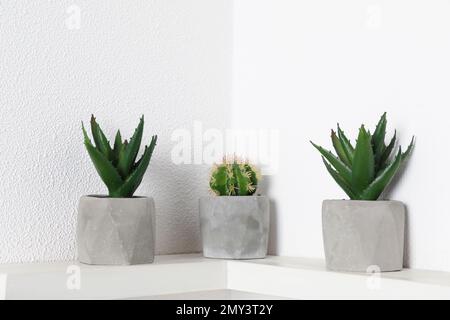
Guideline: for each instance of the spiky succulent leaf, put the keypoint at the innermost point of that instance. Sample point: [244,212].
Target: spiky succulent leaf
[378,138]
[117,146]
[104,167]
[131,184]
[363,162]
[130,152]
[340,181]
[406,154]
[340,167]
[346,144]
[383,161]
[371,169]
[374,190]
[119,184]
[340,151]
[101,142]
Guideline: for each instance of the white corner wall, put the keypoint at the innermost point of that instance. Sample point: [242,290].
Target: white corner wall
[169,60]
[298,66]
[301,66]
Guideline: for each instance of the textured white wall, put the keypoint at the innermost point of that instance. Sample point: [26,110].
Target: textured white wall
[301,66]
[167,59]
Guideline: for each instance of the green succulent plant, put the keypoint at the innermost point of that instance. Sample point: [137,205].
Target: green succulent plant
[234,177]
[117,166]
[364,171]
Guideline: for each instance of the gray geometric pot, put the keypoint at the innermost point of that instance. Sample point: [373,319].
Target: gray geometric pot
[116,231]
[362,234]
[235,227]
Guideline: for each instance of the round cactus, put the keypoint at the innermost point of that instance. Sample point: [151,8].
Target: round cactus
[234,178]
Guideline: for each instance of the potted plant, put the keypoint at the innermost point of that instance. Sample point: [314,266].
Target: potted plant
[364,231]
[235,221]
[117,229]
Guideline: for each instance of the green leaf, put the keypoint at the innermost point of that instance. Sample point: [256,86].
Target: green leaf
[337,144]
[340,167]
[363,162]
[340,181]
[128,157]
[408,151]
[118,141]
[101,142]
[104,167]
[346,144]
[117,146]
[378,138]
[374,190]
[387,152]
[134,180]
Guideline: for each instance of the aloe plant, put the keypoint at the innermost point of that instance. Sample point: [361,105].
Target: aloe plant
[117,165]
[234,177]
[365,170]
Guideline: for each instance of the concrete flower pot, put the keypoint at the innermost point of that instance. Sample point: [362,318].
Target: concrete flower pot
[115,231]
[235,227]
[362,234]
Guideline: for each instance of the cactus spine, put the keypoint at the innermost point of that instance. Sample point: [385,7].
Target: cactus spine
[234,178]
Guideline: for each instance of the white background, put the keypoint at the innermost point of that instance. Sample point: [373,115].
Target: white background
[298,66]
[302,66]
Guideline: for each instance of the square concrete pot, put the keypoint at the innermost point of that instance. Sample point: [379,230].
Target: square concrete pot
[362,234]
[115,231]
[235,227]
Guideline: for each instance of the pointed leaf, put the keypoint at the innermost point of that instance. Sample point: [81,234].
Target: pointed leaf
[378,138]
[363,162]
[128,157]
[346,144]
[118,141]
[117,146]
[340,167]
[104,167]
[339,148]
[134,180]
[408,151]
[101,142]
[374,190]
[387,152]
[340,181]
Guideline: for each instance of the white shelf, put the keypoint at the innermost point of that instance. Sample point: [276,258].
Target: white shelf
[182,275]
